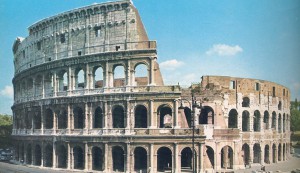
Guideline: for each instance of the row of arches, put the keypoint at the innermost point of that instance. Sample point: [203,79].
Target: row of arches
[257,154]
[81,78]
[58,157]
[258,122]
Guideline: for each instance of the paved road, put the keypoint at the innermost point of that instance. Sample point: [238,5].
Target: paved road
[12,168]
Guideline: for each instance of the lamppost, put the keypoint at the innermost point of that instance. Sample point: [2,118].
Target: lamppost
[193,108]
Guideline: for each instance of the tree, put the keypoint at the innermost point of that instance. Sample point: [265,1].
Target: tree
[295,116]
[5,131]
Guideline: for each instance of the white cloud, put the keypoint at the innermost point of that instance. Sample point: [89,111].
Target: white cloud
[224,50]
[171,64]
[8,91]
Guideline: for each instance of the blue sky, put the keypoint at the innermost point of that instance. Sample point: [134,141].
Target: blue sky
[252,39]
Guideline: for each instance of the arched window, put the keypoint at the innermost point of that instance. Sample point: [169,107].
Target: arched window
[98,77]
[78,158]
[279,152]
[164,116]
[79,118]
[49,119]
[48,83]
[62,156]
[266,120]
[119,76]
[233,119]
[211,157]
[279,123]
[141,75]
[98,118]
[245,121]
[164,159]
[118,158]
[37,120]
[283,124]
[28,154]
[274,153]
[63,80]
[227,157]
[118,117]
[140,116]
[48,156]
[63,119]
[38,86]
[274,120]
[97,159]
[206,115]
[246,150]
[140,159]
[256,153]
[186,158]
[37,155]
[79,79]
[246,102]
[279,105]
[256,121]
[267,159]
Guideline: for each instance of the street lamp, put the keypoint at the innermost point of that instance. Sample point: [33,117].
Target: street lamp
[193,108]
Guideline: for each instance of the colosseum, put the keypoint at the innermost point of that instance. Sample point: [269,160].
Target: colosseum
[72,112]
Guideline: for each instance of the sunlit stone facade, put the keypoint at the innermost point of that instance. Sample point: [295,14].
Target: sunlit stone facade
[71,111]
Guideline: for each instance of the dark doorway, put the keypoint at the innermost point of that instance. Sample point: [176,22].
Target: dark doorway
[140,159]
[164,159]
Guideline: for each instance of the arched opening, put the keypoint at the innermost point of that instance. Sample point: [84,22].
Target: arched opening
[274,120]
[78,118]
[38,155]
[118,117]
[28,154]
[30,87]
[165,116]
[274,153]
[279,152]
[256,153]
[206,115]
[245,121]
[78,158]
[48,119]
[188,116]
[267,153]
[141,75]
[283,123]
[227,157]
[210,158]
[62,156]
[279,123]
[279,105]
[38,86]
[98,77]
[266,120]
[28,124]
[97,159]
[37,120]
[48,156]
[186,159]
[233,119]
[140,159]
[118,159]
[246,102]
[246,156]
[62,119]
[22,148]
[256,121]
[79,79]
[140,117]
[164,159]
[63,81]
[283,153]
[98,118]
[48,83]
[119,76]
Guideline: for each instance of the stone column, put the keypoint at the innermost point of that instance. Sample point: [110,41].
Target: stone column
[70,83]
[251,154]
[150,158]
[43,86]
[54,165]
[175,122]
[86,156]
[128,163]
[128,115]
[106,153]
[42,154]
[87,77]
[151,71]
[54,84]
[262,154]
[105,114]
[69,156]
[128,74]
[200,159]
[86,110]
[69,118]
[42,120]
[105,76]
[176,161]
[54,122]
[151,124]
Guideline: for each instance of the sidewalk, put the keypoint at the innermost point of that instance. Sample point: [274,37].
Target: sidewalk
[293,163]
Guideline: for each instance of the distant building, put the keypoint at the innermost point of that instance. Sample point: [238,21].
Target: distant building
[71,112]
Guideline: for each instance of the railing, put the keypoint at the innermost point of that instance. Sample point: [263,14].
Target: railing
[81,92]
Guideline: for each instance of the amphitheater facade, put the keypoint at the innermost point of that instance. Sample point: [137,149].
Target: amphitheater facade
[72,112]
